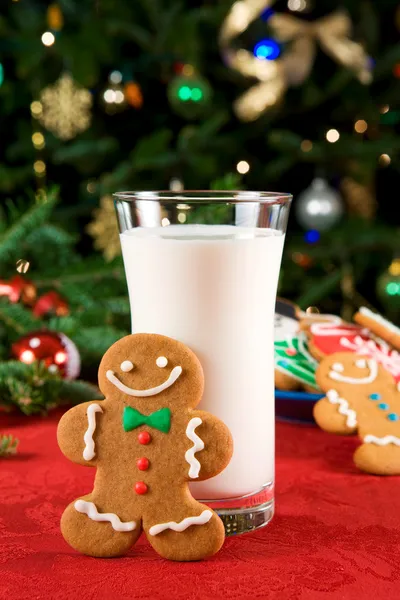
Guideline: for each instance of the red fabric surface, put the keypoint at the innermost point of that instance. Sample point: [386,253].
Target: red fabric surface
[336,533]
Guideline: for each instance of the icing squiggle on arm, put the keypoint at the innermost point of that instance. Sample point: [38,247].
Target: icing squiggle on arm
[90,509]
[89,452]
[344,409]
[384,441]
[182,525]
[198,445]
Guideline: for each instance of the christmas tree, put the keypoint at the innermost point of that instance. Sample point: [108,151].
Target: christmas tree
[97,97]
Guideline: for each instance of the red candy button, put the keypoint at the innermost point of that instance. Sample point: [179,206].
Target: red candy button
[142,464]
[144,437]
[140,487]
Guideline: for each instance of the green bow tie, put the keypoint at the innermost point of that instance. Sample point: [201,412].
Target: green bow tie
[160,419]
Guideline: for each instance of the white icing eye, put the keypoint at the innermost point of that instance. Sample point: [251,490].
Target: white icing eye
[126,366]
[338,367]
[361,363]
[161,361]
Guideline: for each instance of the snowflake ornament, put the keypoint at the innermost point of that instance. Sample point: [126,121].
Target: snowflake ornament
[65,109]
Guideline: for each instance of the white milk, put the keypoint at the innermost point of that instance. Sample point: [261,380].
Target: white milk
[214,288]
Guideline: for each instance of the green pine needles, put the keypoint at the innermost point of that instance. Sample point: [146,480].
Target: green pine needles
[97,302]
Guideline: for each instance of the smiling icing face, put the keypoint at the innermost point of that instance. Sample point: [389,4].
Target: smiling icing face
[151,370]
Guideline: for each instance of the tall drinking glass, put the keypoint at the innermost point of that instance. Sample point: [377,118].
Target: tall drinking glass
[203,268]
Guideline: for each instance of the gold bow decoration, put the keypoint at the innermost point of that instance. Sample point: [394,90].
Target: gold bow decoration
[275,76]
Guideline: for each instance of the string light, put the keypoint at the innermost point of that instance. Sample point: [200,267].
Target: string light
[332,135]
[306,145]
[393,288]
[38,140]
[361,126]
[165,222]
[267,50]
[48,38]
[36,108]
[297,5]
[1,74]
[115,77]
[312,237]
[384,109]
[384,160]
[181,217]
[91,186]
[394,268]
[187,70]
[243,167]
[22,265]
[39,167]
[396,70]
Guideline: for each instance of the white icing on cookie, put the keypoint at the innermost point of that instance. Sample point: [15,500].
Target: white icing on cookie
[302,339]
[89,509]
[361,363]
[175,373]
[385,441]
[379,319]
[126,366]
[162,362]
[198,444]
[338,367]
[89,452]
[344,409]
[182,525]
[371,364]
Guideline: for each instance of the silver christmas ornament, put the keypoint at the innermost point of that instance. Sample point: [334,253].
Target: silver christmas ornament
[319,207]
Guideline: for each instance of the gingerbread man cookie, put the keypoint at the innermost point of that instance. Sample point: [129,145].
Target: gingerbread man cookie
[379,326]
[361,396]
[147,442]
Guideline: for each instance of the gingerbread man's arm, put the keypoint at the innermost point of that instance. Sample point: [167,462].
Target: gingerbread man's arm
[211,446]
[76,432]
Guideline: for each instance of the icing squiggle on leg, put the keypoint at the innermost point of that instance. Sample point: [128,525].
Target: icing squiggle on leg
[344,409]
[383,441]
[182,525]
[198,444]
[89,452]
[90,509]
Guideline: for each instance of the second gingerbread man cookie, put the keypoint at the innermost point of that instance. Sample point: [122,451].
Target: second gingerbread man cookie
[147,442]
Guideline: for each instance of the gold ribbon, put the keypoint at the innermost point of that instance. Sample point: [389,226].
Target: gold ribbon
[275,76]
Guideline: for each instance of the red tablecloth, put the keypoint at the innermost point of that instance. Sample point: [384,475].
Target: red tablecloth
[336,533]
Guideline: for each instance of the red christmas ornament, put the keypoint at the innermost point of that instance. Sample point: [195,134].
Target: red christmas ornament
[56,350]
[18,289]
[51,302]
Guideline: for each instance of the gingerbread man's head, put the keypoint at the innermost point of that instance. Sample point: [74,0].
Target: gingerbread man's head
[149,371]
[346,371]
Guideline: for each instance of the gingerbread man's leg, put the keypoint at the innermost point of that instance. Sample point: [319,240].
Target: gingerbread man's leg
[378,460]
[96,528]
[183,529]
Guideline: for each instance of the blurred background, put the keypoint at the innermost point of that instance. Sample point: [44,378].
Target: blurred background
[98,96]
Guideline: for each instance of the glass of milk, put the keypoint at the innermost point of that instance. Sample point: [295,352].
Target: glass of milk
[203,268]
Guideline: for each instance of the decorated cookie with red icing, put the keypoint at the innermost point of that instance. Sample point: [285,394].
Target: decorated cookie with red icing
[361,397]
[147,441]
[326,339]
[380,326]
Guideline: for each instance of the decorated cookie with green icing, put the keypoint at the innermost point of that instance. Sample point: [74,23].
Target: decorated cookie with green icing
[294,365]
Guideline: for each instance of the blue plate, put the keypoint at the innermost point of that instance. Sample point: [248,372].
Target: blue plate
[295,406]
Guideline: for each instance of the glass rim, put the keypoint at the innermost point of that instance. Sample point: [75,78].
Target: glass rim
[204,196]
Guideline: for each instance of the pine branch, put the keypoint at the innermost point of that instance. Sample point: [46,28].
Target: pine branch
[75,392]
[17,319]
[8,445]
[27,223]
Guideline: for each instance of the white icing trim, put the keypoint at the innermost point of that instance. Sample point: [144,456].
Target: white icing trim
[378,319]
[338,367]
[175,373]
[373,372]
[302,346]
[89,509]
[330,329]
[182,525]
[198,445]
[89,452]
[344,409]
[385,441]
[333,319]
